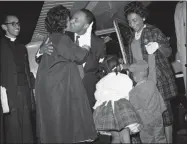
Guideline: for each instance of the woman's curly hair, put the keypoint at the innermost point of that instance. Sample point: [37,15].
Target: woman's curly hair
[56,20]
[136,7]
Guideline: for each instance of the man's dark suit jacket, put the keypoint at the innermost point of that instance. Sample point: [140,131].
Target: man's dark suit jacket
[90,79]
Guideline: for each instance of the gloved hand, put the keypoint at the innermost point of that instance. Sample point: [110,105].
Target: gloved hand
[151,47]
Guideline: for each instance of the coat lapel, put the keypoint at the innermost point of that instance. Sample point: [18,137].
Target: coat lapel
[90,55]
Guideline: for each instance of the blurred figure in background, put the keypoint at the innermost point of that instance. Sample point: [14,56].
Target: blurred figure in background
[180,29]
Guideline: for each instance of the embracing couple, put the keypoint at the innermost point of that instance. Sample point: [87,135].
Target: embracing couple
[66,77]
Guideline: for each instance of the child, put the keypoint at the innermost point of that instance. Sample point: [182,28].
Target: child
[148,102]
[113,113]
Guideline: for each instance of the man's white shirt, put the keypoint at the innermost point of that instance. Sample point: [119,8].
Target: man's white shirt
[84,39]
[38,54]
[11,38]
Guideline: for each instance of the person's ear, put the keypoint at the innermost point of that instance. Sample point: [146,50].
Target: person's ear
[86,26]
[4,27]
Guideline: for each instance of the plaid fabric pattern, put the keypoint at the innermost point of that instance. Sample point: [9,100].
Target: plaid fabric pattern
[123,115]
[165,77]
[168,114]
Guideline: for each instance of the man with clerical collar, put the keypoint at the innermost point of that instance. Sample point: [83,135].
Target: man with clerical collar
[16,85]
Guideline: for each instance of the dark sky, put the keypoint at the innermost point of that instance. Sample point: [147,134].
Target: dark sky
[161,15]
[28,13]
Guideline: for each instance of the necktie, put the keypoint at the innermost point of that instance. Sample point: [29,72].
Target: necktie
[80,67]
[77,40]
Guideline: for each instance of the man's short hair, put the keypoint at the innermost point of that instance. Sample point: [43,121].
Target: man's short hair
[3,20]
[89,15]
[5,15]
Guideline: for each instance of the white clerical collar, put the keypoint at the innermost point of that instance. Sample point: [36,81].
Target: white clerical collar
[11,38]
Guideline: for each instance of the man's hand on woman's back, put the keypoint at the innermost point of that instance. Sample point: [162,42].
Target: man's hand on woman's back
[46,47]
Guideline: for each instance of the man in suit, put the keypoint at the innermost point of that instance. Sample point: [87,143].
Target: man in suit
[79,24]
[16,84]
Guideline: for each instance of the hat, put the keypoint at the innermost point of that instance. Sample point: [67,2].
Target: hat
[139,66]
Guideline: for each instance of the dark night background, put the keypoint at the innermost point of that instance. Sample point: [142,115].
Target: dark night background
[28,13]
[161,15]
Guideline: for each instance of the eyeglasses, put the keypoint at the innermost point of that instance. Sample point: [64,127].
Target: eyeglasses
[14,24]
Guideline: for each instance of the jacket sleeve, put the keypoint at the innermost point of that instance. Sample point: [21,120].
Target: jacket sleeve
[177,26]
[38,56]
[38,59]
[30,76]
[161,39]
[101,49]
[31,80]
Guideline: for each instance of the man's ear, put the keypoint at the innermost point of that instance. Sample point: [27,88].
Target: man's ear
[4,27]
[86,26]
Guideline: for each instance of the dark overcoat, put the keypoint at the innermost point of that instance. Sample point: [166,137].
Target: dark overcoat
[63,111]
